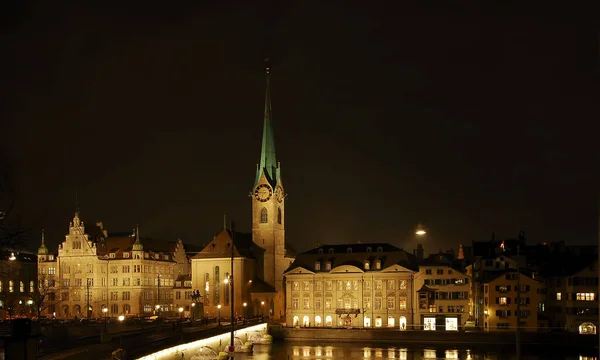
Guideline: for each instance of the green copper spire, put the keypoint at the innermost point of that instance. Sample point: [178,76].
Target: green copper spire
[268,162]
[43,250]
[137,245]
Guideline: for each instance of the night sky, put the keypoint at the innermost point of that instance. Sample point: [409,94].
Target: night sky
[468,119]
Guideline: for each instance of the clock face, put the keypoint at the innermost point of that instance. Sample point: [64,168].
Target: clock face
[279,194]
[263,192]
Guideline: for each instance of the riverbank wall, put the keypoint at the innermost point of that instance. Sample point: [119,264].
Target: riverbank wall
[432,338]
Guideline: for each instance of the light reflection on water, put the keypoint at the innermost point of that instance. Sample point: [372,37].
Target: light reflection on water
[298,351]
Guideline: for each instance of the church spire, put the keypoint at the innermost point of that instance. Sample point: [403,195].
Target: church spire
[43,250]
[137,245]
[268,162]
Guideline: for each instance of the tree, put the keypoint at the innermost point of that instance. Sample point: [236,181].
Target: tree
[12,234]
[45,292]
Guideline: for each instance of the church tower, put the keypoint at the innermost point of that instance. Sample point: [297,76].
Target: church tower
[268,207]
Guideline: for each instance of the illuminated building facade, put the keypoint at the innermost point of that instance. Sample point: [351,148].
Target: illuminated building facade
[94,270]
[503,303]
[442,294]
[355,285]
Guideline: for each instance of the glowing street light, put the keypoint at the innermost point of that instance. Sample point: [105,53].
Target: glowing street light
[12,257]
[105,311]
[180,317]
[219,319]
[121,318]
[420,232]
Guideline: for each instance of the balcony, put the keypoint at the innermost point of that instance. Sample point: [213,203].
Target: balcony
[348,311]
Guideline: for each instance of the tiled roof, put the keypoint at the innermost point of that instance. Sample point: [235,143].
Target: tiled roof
[219,247]
[355,254]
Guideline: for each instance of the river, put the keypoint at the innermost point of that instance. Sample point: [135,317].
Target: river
[320,351]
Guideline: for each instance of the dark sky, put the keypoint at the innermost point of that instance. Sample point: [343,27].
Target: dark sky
[467,118]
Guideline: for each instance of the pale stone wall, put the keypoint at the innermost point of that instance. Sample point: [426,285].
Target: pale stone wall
[313,298]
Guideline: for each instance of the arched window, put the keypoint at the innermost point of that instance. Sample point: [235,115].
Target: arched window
[207,289]
[217,286]
[264,216]
[279,216]
[227,290]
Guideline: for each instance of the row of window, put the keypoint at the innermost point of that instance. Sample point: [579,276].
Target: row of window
[577,296]
[114,269]
[504,300]
[350,303]
[507,313]
[22,288]
[115,282]
[349,250]
[264,216]
[454,281]
[391,321]
[350,285]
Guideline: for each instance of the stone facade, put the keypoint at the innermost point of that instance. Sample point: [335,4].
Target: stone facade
[18,284]
[441,290]
[95,271]
[501,299]
[356,285]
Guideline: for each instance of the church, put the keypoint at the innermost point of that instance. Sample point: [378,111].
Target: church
[254,261]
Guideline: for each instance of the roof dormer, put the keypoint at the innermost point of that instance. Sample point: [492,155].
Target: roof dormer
[349,250]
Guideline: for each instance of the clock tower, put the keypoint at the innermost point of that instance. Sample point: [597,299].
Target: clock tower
[268,210]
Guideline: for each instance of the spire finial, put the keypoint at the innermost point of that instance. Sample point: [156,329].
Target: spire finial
[43,250]
[224,221]
[43,237]
[268,161]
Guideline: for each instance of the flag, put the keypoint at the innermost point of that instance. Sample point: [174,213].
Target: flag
[502,246]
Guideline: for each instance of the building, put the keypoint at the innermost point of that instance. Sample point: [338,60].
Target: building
[504,303]
[442,294]
[18,284]
[572,301]
[355,285]
[261,257]
[94,270]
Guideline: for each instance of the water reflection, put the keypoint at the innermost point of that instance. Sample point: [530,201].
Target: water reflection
[353,351]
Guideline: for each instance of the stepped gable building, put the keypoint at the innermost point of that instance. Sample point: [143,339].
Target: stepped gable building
[351,285]
[94,270]
[260,257]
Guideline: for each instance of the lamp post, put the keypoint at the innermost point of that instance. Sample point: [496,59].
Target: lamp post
[193,315]
[105,312]
[180,318]
[262,310]
[219,318]
[121,318]
[245,305]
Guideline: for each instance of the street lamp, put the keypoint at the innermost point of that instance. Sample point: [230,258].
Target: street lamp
[262,310]
[245,305]
[121,318]
[12,257]
[105,311]
[219,318]
[180,317]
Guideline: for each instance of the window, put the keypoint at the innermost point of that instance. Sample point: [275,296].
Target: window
[402,285]
[21,287]
[317,304]
[126,269]
[328,303]
[440,271]
[207,289]
[295,286]
[125,255]
[306,286]
[31,286]
[391,303]
[306,303]
[502,300]
[264,216]
[318,286]
[317,266]
[390,285]
[279,216]
[558,296]
[451,324]
[429,324]
[126,295]
[586,296]
[328,266]
[51,271]
[111,255]
[217,297]
[349,250]
[367,265]
[378,265]
[295,304]
[11,286]
[114,309]
[402,303]
[330,251]
[126,309]
[379,249]
[428,271]
[369,249]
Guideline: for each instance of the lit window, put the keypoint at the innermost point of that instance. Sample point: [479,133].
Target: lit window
[558,296]
[451,324]
[429,324]
[366,265]
[11,286]
[21,286]
[502,300]
[317,266]
[586,296]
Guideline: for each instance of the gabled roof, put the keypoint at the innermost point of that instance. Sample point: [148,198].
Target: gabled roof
[489,276]
[220,246]
[355,255]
